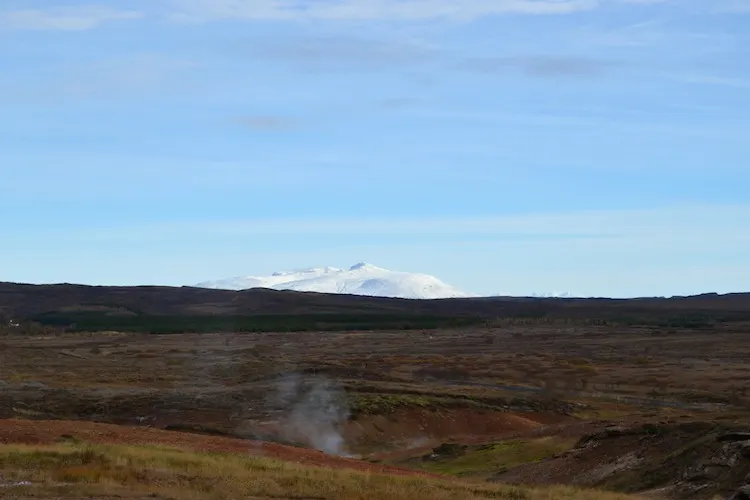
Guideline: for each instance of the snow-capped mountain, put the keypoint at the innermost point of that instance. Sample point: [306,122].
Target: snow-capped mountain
[553,295]
[360,279]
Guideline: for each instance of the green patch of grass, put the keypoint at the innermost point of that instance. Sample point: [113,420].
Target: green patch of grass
[488,460]
[60,456]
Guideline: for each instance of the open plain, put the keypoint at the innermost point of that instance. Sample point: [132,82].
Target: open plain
[656,408]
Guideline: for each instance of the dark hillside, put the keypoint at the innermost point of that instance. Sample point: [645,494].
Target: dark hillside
[172,309]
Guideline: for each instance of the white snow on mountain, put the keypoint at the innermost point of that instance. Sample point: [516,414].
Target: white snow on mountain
[553,295]
[360,279]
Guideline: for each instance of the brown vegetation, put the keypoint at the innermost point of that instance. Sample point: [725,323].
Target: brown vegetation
[511,397]
[82,471]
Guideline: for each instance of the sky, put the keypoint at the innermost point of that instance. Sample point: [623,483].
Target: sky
[594,147]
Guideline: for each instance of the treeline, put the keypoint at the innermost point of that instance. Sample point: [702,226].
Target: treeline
[88,322]
[91,321]
[693,319]
[666,319]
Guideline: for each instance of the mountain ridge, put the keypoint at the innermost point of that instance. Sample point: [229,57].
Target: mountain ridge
[360,279]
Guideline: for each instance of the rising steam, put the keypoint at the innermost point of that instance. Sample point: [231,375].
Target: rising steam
[312,412]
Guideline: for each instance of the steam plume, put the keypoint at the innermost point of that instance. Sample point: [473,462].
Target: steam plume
[313,412]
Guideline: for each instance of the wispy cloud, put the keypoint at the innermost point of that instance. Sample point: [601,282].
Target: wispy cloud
[68,18]
[665,33]
[336,51]
[352,53]
[540,66]
[205,10]
[642,33]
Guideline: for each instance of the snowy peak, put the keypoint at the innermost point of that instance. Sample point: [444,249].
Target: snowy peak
[360,279]
[313,271]
[365,267]
[553,295]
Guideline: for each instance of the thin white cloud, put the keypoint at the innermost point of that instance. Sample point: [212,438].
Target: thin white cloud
[539,66]
[337,52]
[68,18]
[363,10]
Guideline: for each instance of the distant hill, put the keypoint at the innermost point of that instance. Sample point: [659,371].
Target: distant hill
[169,309]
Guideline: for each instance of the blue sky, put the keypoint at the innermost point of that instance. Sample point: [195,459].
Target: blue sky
[598,147]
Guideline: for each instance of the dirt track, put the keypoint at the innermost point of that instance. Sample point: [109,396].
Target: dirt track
[52,431]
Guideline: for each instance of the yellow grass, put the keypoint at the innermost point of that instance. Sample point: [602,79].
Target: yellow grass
[78,470]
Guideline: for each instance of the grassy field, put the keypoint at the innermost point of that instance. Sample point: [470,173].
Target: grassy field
[487,460]
[85,471]
[651,365]
[512,396]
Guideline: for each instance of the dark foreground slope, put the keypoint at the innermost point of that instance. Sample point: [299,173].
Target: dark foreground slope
[185,309]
